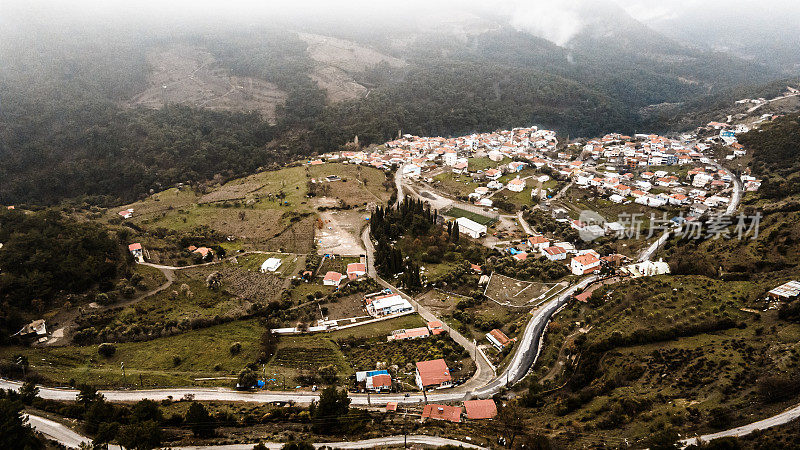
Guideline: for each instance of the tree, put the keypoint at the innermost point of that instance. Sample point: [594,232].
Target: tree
[28,392]
[247,379]
[292,445]
[15,433]
[106,432]
[200,421]
[268,346]
[332,406]
[140,436]
[510,423]
[328,373]
[145,410]
[664,439]
[98,413]
[107,349]
[87,394]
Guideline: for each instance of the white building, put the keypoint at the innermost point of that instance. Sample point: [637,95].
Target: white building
[516,185]
[584,264]
[270,265]
[554,253]
[388,304]
[471,228]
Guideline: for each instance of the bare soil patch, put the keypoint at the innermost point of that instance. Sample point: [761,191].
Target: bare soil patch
[191,75]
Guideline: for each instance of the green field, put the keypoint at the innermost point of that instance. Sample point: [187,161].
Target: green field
[637,375]
[200,353]
[458,212]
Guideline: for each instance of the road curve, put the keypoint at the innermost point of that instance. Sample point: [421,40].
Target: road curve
[778,419]
[527,349]
[71,439]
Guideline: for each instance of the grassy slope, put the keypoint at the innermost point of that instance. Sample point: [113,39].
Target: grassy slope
[677,382]
[199,351]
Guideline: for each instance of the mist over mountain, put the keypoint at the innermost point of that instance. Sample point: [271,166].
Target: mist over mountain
[319,74]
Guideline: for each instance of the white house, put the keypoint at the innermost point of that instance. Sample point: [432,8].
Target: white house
[332,279]
[583,264]
[388,304]
[270,265]
[494,184]
[450,158]
[493,174]
[412,170]
[471,228]
[516,185]
[554,253]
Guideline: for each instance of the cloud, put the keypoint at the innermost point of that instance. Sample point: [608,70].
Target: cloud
[554,20]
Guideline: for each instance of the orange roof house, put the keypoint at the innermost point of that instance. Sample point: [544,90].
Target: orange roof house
[442,412]
[498,339]
[480,409]
[434,373]
[332,279]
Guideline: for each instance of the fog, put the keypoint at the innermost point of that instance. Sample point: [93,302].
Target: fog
[699,22]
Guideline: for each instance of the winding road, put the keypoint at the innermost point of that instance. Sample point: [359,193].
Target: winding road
[71,439]
[484,383]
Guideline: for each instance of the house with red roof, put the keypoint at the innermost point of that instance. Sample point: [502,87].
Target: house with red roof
[554,253]
[480,409]
[355,270]
[442,412]
[584,264]
[332,279]
[433,374]
[498,339]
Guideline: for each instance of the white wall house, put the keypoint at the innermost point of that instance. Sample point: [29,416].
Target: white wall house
[471,228]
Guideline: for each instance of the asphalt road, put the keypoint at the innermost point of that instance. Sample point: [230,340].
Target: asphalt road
[71,439]
[527,350]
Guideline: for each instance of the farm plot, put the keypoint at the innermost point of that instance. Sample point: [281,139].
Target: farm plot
[513,292]
[337,264]
[456,212]
[358,185]
[347,307]
[167,361]
[297,355]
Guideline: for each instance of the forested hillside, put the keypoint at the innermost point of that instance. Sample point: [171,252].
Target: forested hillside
[70,129]
[776,156]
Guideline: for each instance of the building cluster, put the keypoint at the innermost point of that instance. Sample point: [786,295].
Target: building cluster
[646,169]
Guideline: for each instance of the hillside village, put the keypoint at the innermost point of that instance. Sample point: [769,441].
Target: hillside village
[536,222]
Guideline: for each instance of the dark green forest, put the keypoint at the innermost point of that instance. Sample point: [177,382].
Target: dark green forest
[67,133]
[47,255]
[776,156]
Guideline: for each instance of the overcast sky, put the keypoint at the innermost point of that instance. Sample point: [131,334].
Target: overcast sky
[556,20]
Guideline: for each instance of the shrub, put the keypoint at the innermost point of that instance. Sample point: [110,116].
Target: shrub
[106,349]
[236,348]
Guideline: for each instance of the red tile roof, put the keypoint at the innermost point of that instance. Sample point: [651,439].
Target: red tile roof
[442,412]
[434,372]
[480,409]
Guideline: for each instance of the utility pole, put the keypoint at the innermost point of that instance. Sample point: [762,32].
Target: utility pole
[405,433]
[122,366]
[425,395]
[369,402]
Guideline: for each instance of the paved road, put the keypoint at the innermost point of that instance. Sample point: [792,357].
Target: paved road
[524,223]
[527,349]
[484,370]
[398,183]
[778,419]
[70,439]
[733,205]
